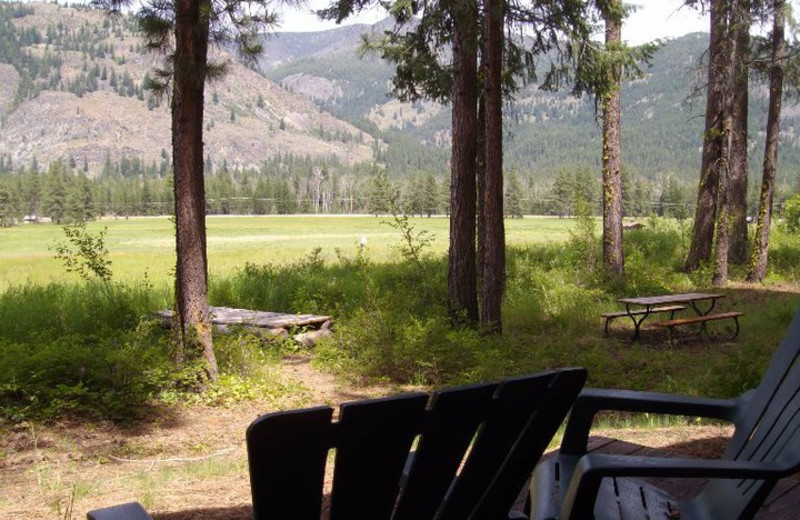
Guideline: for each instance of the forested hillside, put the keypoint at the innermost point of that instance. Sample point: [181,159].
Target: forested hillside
[545,132]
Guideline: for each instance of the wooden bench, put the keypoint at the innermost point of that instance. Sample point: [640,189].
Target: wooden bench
[611,316]
[672,323]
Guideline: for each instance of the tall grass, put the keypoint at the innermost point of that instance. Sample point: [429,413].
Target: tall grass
[77,348]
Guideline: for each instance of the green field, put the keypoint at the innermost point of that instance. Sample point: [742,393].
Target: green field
[146,245]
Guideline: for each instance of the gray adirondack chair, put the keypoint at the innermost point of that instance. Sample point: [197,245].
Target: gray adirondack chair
[764,448]
[460,453]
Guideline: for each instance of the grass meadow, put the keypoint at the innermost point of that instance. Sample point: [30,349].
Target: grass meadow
[146,244]
[84,347]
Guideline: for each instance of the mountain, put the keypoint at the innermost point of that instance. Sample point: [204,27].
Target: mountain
[71,86]
[662,112]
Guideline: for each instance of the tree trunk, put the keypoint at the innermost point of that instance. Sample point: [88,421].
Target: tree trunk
[494,247]
[706,210]
[613,256]
[191,274]
[461,284]
[724,224]
[480,178]
[740,30]
[724,202]
[759,254]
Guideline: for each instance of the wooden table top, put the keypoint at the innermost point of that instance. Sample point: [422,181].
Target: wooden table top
[671,298]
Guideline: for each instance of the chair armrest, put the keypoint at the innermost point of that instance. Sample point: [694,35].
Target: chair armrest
[593,400]
[580,497]
[129,511]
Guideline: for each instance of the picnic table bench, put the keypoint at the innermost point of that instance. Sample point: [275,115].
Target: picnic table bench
[672,323]
[638,309]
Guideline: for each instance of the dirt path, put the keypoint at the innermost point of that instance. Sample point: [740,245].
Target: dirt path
[189,463]
[191,457]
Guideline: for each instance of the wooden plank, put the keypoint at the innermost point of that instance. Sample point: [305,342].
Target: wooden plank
[786,506]
[782,504]
[697,319]
[287,452]
[252,318]
[670,298]
[514,402]
[784,487]
[450,425]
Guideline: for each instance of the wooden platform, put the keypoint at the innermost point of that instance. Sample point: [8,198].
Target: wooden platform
[782,504]
[227,316]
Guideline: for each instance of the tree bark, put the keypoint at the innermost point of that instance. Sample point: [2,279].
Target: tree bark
[480,178]
[191,273]
[494,247]
[740,30]
[613,256]
[461,283]
[724,202]
[724,224]
[759,254]
[707,193]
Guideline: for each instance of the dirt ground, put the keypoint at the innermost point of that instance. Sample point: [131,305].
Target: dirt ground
[190,463]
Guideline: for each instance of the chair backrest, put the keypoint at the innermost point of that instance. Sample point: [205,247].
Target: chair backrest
[460,453]
[769,431]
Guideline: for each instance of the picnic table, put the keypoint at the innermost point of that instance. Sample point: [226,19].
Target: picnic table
[638,309]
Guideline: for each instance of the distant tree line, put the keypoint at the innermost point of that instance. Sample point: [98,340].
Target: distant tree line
[65,190]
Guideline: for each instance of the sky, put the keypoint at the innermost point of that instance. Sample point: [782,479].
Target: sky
[654,19]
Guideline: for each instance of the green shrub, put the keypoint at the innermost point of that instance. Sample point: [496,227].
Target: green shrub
[784,255]
[791,214]
[82,375]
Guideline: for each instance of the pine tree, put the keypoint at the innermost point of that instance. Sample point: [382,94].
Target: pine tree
[7,209]
[513,197]
[759,254]
[381,197]
[183,30]
[429,195]
[55,196]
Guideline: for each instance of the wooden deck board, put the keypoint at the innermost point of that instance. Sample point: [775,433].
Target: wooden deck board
[782,504]
[261,319]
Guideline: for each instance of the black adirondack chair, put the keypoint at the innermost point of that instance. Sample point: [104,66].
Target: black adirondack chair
[460,453]
[475,448]
[764,448]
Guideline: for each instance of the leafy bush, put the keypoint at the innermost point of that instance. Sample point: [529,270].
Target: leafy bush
[77,374]
[791,214]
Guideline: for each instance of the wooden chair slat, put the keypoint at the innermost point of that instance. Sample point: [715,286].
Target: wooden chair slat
[785,358]
[531,443]
[515,401]
[286,452]
[450,425]
[778,425]
[372,445]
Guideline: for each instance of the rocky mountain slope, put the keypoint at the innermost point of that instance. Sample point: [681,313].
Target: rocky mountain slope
[74,89]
